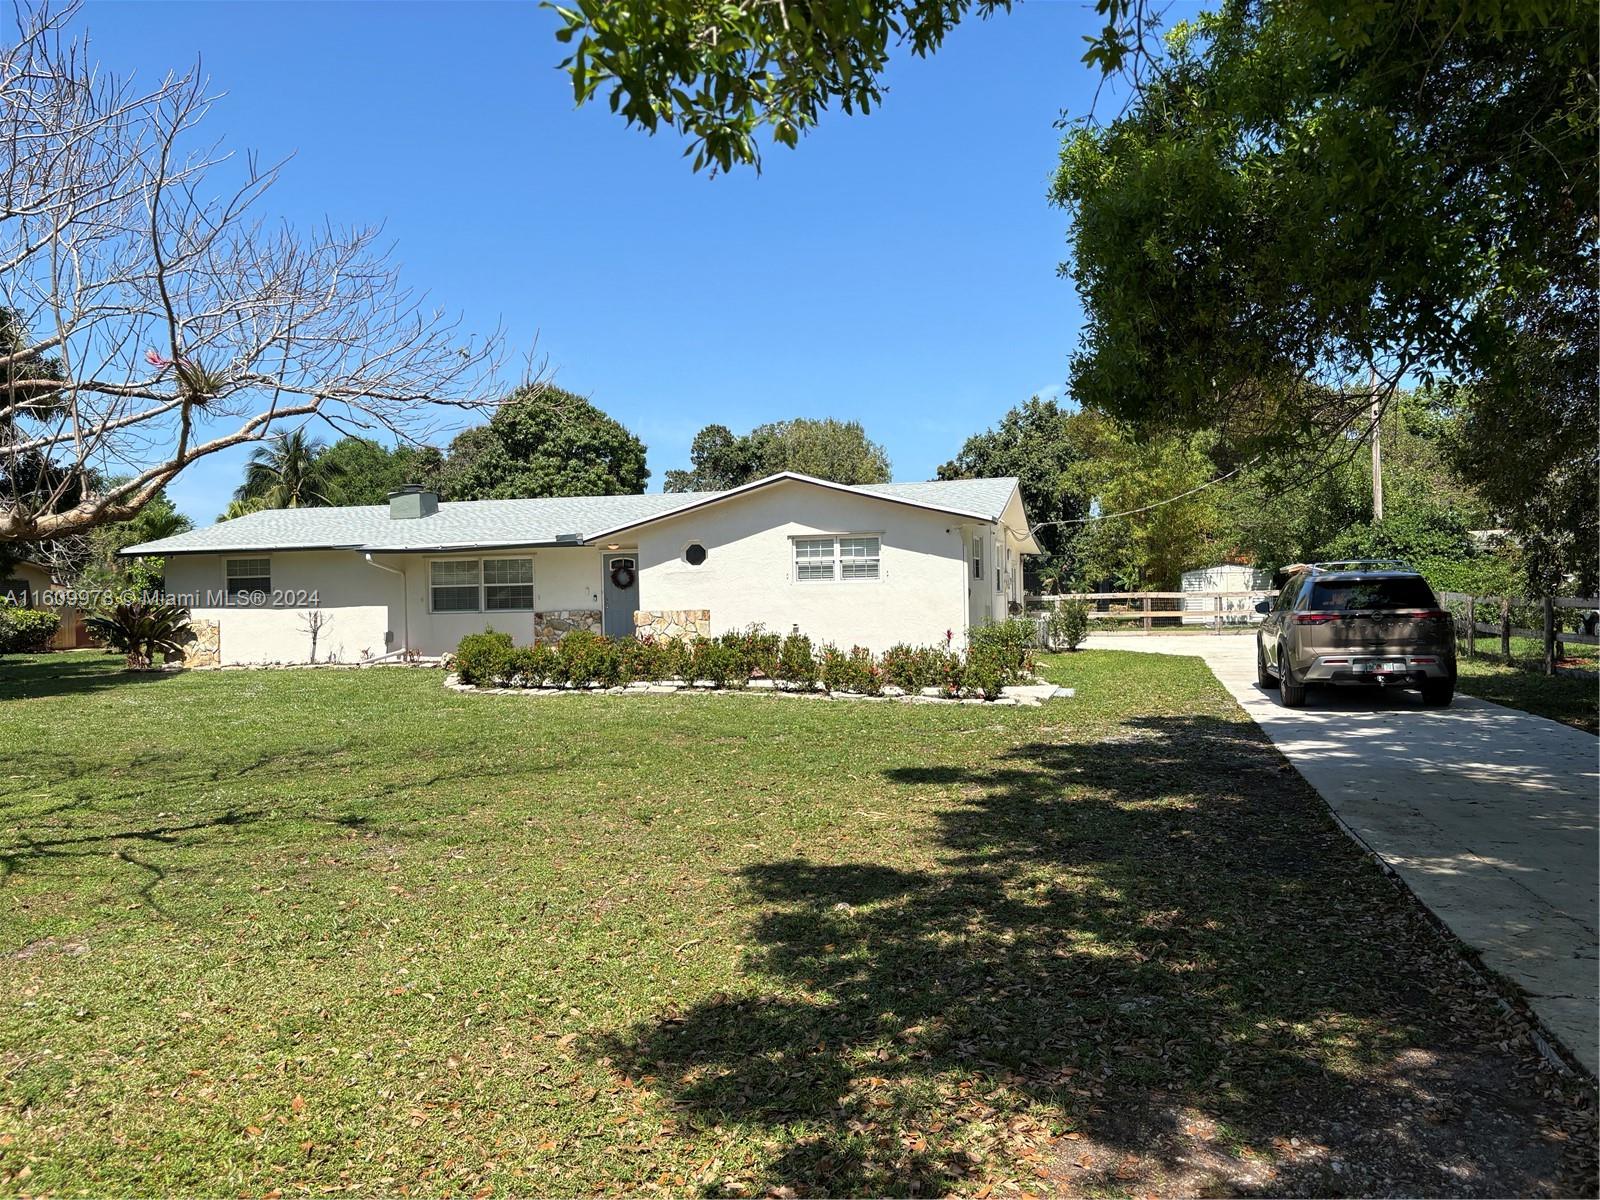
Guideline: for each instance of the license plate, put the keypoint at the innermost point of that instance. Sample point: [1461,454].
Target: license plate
[1381,668]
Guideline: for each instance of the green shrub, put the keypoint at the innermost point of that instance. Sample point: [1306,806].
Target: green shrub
[1010,641]
[26,630]
[949,672]
[142,631]
[587,658]
[833,668]
[866,676]
[1069,624]
[481,657]
[758,650]
[531,667]
[986,672]
[912,668]
[644,659]
[797,662]
[719,663]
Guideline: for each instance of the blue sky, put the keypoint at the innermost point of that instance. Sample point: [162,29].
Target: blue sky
[899,268]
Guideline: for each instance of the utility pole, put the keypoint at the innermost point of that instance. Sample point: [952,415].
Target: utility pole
[1377,449]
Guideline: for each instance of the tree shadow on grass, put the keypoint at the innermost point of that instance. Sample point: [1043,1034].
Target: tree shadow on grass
[70,673]
[1159,943]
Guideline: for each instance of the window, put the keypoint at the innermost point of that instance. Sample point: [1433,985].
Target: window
[1357,595]
[977,559]
[459,585]
[507,584]
[455,584]
[828,559]
[247,575]
[694,554]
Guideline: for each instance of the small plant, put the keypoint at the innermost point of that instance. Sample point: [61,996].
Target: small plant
[1011,642]
[833,667]
[1068,624]
[950,673]
[719,663]
[26,630]
[481,657]
[797,662]
[141,631]
[912,668]
[758,650]
[986,673]
[531,667]
[589,658]
[644,658]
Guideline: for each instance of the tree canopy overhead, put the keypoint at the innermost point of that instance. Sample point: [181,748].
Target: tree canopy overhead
[839,451]
[543,441]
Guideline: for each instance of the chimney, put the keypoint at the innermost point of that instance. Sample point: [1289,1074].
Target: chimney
[410,501]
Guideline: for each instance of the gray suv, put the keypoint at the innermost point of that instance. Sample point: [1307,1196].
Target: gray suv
[1371,622]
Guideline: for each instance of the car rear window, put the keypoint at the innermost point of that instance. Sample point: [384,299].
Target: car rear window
[1353,595]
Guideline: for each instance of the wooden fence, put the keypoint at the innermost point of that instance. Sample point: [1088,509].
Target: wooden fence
[1563,620]
[1152,612]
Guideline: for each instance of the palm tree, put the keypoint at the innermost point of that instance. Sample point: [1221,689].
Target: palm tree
[286,472]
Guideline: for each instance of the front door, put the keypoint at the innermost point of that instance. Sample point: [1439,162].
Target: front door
[622,594]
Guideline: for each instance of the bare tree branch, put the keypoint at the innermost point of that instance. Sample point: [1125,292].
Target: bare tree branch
[153,315]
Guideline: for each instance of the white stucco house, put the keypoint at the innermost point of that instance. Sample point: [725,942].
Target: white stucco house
[867,565]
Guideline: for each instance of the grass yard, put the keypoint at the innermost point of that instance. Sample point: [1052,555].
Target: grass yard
[308,931]
[1566,698]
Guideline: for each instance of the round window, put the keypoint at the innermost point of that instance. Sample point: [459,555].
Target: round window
[694,554]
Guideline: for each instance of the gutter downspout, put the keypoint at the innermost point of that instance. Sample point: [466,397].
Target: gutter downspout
[405,600]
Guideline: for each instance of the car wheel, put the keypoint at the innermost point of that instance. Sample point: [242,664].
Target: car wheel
[1440,694]
[1264,678]
[1290,690]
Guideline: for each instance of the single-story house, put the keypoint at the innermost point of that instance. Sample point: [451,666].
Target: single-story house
[868,565]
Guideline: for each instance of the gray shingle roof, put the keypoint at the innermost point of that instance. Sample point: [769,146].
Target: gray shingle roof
[471,524]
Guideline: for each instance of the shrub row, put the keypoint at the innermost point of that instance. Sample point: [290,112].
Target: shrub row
[998,656]
[25,630]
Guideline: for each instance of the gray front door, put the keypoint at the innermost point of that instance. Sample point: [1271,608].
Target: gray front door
[621,601]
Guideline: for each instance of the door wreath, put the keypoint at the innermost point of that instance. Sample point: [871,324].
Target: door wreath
[623,575]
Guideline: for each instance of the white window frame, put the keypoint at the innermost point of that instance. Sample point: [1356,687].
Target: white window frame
[229,592]
[977,557]
[836,560]
[482,585]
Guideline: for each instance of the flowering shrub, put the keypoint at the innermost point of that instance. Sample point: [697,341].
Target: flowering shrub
[719,663]
[758,650]
[797,662]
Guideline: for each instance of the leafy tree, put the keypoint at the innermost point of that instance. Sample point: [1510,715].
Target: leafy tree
[364,471]
[159,518]
[717,460]
[1041,444]
[1305,192]
[1155,515]
[825,448]
[1434,540]
[240,508]
[828,449]
[544,441]
[289,471]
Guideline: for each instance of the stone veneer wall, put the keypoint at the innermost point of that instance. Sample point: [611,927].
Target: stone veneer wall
[554,625]
[685,623]
[206,649]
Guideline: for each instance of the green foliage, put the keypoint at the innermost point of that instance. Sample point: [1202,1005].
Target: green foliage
[143,631]
[291,470]
[1007,644]
[797,661]
[26,630]
[544,441]
[824,448]
[835,669]
[1303,190]
[1436,542]
[530,666]
[587,658]
[758,650]
[910,668]
[987,671]
[482,658]
[365,472]
[1042,445]
[719,663]
[1068,624]
[721,73]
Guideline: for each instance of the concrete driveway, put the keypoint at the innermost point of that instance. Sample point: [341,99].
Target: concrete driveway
[1488,814]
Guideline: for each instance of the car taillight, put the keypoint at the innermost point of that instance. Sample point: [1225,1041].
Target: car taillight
[1434,614]
[1315,618]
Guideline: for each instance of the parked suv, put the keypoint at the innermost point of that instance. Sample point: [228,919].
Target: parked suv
[1371,622]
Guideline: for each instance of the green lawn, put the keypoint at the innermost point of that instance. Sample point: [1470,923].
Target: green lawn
[1571,700]
[310,931]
